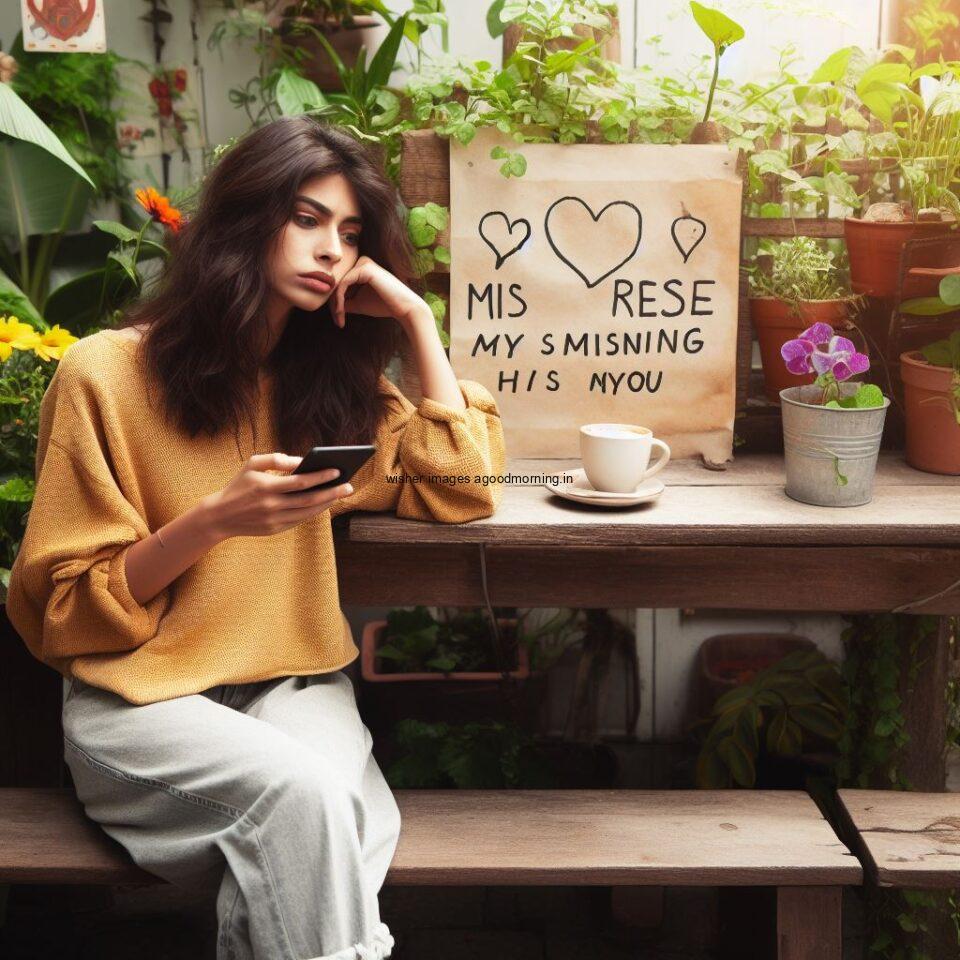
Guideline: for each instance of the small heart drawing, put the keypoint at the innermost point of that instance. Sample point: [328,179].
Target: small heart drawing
[591,249]
[497,233]
[687,232]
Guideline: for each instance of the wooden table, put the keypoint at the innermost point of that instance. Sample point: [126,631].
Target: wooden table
[715,539]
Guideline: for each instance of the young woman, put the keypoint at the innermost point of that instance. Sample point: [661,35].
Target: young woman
[184,582]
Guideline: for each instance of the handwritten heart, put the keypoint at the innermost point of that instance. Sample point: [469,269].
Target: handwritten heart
[497,233]
[591,248]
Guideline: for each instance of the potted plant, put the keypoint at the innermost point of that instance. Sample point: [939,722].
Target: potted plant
[802,287]
[931,386]
[411,645]
[313,27]
[931,395]
[927,137]
[792,711]
[832,427]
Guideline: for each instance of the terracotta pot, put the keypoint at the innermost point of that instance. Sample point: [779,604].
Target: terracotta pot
[775,322]
[933,434]
[370,640]
[726,660]
[875,249]
[346,40]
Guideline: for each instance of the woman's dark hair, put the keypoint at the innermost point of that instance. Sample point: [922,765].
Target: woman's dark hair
[207,330]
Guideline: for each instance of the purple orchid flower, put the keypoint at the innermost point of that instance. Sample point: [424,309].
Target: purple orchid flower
[818,350]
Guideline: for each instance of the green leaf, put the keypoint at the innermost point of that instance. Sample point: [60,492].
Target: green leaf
[296,94]
[118,230]
[718,27]
[818,719]
[384,60]
[950,289]
[18,121]
[125,260]
[17,490]
[834,68]
[495,26]
[869,395]
[927,306]
[14,300]
[739,762]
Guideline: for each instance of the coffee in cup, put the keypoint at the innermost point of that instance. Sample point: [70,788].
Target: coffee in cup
[616,456]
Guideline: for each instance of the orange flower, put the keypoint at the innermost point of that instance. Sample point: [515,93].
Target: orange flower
[159,208]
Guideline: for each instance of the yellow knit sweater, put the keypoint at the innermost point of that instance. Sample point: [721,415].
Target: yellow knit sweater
[111,469]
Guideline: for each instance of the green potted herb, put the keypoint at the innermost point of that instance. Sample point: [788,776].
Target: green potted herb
[832,427]
[926,128]
[790,710]
[412,645]
[803,286]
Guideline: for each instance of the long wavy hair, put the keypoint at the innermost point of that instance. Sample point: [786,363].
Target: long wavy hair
[206,328]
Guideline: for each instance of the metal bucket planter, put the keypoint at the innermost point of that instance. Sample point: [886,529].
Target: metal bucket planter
[831,454]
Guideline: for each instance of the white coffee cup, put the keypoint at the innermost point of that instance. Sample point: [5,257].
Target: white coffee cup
[616,456]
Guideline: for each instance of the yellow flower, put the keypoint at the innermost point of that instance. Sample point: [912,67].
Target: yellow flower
[52,344]
[15,335]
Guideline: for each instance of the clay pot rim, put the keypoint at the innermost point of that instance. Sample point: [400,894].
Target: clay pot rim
[846,299]
[841,410]
[914,359]
[361,21]
[901,223]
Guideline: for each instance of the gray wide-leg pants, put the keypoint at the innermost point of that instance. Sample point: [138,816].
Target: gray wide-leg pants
[266,792]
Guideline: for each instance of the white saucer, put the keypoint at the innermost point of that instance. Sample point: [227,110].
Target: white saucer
[580,491]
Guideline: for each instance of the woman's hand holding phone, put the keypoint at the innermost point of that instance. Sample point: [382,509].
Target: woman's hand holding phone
[258,502]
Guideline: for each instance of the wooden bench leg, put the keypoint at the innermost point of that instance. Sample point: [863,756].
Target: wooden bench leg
[808,923]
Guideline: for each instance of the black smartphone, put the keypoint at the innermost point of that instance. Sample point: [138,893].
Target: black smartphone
[348,460]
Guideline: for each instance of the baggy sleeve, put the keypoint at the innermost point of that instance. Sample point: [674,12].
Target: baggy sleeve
[433,462]
[68,593]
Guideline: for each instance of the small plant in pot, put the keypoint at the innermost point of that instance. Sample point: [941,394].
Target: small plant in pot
[802,286]
[412,645]
[832,427]
[777,729]
[927,136]
[313,27]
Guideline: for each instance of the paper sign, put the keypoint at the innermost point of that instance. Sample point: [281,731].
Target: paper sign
[600,286]
[63,26]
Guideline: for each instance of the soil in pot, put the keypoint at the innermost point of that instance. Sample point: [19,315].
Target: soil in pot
[775,322]
[933,434]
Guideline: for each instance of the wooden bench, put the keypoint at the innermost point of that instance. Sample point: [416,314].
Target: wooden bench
[905,839]
[617,838]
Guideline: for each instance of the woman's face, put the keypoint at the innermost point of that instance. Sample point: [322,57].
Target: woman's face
[319,244]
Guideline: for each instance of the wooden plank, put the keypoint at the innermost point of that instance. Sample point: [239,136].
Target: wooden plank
[907,839]
[791,227]
[616,837]
[809,923]
[742,505]
[45,837]
[821,579]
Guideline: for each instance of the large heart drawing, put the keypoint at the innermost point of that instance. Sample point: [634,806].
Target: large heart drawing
[593,250]
[497,233]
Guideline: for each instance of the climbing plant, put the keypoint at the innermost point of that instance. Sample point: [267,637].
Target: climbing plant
[872,749]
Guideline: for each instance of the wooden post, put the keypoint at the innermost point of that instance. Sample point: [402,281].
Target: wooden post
[808,923]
